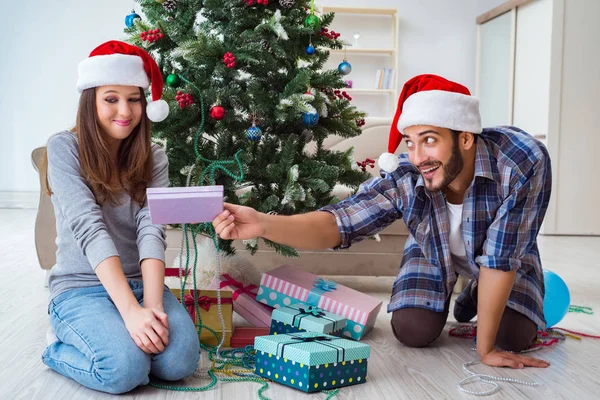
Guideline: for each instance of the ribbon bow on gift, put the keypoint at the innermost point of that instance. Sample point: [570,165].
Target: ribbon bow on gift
[307,339]
[204,302]
[311,310]
[326,286]
[320,286]
[320,339]
[248,289]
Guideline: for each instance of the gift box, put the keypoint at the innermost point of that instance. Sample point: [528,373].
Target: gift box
[244,335]
[173,278]
[287,284]
[181,205]
[298,318]
[244,301]
[311,362]
[209,313]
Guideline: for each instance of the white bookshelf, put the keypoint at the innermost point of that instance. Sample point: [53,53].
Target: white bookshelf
[378,49]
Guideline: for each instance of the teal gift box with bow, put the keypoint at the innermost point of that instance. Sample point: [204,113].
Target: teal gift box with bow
[288,285]
[311,362]
[301,318]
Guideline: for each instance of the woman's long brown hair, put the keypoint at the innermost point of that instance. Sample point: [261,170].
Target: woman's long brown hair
[134,160]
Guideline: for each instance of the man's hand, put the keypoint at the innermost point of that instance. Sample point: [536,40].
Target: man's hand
[238,222]
[497,358]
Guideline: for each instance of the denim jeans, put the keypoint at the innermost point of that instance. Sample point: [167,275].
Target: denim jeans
[95,349]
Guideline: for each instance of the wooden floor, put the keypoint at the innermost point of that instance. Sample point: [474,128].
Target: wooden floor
[395,372]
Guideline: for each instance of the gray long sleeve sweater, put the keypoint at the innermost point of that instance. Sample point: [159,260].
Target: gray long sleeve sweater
[88,233]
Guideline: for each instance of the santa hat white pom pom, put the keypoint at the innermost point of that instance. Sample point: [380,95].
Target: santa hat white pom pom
[388,162]
[157,110]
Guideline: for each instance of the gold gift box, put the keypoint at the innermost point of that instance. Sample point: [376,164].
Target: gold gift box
[209,313]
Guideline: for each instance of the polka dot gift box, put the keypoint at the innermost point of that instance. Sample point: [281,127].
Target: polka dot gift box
[288,284]
[299,318]
[311,362]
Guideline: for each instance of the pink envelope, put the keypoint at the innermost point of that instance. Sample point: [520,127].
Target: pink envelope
[183,205]
[244,301]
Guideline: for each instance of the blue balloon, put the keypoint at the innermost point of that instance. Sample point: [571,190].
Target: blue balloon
[556,299]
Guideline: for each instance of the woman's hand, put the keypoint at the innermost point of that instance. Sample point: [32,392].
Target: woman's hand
[148,327]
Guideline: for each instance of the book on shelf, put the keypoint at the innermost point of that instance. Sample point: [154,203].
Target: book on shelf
[384,78]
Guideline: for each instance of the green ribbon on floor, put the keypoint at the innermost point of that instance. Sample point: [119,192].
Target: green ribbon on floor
[581,309]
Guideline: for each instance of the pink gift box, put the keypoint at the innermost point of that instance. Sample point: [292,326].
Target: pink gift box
[288,284]
[244,301]
[183,205]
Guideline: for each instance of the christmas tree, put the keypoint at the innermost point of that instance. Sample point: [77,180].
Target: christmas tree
[245,79]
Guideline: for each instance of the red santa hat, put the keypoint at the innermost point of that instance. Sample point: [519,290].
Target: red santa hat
[435,101]
[118,63]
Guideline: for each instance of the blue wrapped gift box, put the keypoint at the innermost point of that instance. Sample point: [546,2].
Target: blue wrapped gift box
[301,318]
[311,362]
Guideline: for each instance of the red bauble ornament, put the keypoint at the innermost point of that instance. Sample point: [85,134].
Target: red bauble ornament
[217,112]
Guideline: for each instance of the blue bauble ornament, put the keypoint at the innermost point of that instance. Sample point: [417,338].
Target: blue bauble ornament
[345,68]
[310,119]
[310,50]
[130,19]
[556,298]
[254,134]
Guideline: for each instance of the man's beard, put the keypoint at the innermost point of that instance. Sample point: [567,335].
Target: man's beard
[451,169]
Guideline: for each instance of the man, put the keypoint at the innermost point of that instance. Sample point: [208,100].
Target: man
[473,201]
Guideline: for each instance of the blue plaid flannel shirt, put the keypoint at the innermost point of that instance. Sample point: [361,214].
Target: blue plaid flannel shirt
[503,210]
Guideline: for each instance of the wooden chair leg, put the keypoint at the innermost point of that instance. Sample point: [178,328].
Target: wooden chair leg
[461,283]
[47,278]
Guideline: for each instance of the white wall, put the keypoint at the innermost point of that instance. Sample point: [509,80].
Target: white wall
[576,168]
[41,46]
[532,67]
[38,78]
[482,6]
[435,36]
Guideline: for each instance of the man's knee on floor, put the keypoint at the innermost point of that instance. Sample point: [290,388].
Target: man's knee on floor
[413,331]
[516,332]
[509,340]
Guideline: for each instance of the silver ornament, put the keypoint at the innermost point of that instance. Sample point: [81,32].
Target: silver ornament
[286,3]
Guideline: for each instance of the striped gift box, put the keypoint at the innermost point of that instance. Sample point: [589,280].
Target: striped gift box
[288,284]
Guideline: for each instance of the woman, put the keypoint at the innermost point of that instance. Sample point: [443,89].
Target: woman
[114,320]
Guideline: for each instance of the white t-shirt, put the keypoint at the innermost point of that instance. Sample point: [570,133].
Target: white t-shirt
[457,243]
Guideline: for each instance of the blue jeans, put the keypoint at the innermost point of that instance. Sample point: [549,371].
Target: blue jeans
[94,347]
